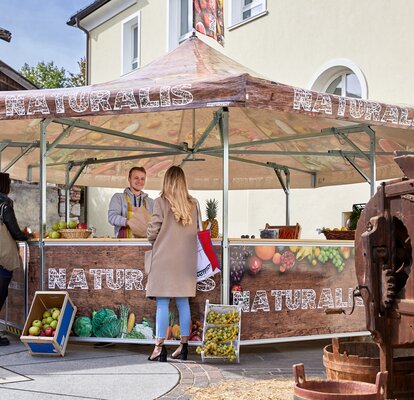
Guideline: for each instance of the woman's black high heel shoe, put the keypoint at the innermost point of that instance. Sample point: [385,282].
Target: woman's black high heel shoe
[183,354]
[162,357]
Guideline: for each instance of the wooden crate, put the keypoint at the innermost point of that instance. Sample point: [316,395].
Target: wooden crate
[235,342]
[55,345]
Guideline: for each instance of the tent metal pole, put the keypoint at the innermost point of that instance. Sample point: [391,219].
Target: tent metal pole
[329,153]
[359,170]
[64,133]
[73,146]
[42,214]
[324,132]
[286,188]
[108,160]
[85,125]
[372,163]
[203,137]
[287,174]
[224,128]
[67,191]
[2,147]
[18,157]
[69,184]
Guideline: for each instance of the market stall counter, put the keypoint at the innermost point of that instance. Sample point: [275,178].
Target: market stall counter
[284,287]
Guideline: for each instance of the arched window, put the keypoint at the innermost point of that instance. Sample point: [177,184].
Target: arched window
[340,77]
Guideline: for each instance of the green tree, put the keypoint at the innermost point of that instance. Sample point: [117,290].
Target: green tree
[48,75]
[78,79]
[45,75]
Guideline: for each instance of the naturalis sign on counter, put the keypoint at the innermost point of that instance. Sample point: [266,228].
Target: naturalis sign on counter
[295,299]
[105,278]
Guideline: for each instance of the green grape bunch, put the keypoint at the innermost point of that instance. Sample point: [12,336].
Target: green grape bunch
[332,254]
[221,334]
[214,349]
[216,318]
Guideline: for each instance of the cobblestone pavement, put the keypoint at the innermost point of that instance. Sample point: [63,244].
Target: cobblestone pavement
[127,363]
[256,362]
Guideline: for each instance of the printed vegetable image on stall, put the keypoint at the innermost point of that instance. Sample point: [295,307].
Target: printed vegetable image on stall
[296,290]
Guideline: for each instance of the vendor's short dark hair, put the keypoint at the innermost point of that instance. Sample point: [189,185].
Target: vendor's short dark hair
[4,183]
[142,169]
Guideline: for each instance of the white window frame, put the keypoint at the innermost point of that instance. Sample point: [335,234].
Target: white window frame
[237,7]
[331,70]
[127,59]
[174,37]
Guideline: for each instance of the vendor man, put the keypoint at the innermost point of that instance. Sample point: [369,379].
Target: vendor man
[122,205]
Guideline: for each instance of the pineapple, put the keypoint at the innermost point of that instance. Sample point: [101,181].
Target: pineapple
[211,211]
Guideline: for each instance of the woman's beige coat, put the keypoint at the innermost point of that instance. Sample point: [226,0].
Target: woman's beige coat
[174,254]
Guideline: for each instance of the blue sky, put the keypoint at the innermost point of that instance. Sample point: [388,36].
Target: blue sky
[39,33]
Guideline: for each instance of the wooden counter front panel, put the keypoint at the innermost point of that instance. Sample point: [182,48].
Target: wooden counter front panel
[281,300]
[107,276]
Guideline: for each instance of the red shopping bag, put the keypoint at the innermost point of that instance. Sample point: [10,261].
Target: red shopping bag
[207,261]
[205,239]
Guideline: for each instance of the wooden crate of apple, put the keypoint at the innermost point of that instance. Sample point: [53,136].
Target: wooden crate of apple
[69,230]
[285,257]
[47,326]
[49,322]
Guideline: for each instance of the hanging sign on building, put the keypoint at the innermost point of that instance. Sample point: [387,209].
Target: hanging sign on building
[208,18]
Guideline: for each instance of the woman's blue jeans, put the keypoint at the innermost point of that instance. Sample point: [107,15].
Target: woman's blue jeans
[162,316]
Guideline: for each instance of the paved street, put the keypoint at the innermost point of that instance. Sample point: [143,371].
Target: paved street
[123,371]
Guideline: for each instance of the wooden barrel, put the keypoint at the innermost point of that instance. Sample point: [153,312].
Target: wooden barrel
[358,361]
[336,390]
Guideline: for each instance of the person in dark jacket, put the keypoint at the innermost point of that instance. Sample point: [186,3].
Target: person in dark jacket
[9,219]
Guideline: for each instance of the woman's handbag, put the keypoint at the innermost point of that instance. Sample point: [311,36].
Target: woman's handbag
[207,261]
[9,252]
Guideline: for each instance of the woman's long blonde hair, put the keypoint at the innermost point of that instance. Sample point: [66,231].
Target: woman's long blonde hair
[175,191]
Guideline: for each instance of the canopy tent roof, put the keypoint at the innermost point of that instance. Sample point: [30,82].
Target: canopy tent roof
[149,114]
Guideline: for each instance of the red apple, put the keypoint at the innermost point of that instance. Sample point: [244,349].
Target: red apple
[82,225]
[49,331]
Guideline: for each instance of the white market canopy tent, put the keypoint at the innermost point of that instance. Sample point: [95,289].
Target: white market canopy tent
[176,108]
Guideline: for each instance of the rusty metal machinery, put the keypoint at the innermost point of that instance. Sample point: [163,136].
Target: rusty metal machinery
[383,261]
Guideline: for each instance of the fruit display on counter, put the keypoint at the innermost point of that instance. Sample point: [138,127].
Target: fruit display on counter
[221,339]
[47,326]
[56,229]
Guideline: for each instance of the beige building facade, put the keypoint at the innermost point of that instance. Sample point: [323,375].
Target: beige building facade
[351,48]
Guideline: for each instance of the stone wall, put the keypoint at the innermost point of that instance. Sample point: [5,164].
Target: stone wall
[26,197]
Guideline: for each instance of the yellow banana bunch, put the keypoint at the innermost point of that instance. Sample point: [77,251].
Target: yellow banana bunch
[303,252]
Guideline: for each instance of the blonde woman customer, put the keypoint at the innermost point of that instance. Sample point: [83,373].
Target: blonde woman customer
[173,232]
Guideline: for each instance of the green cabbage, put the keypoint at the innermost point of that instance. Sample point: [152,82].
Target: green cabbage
[105,323]
[83,326]
[109,330]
